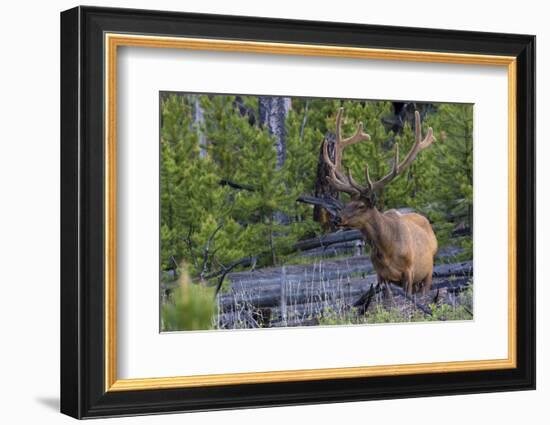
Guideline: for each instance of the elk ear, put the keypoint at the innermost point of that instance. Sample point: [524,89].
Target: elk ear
[369,199]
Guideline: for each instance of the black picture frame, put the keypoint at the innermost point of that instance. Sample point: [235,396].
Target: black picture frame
[83,392]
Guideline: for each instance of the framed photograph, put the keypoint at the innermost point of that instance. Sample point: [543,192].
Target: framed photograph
[261,212]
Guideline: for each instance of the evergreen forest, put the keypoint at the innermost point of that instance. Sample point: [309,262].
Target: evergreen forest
[237,178]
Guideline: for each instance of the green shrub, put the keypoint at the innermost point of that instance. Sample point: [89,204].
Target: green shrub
[192,307]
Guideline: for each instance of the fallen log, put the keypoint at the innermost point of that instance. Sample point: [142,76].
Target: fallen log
[455,286]
[465,268]
[350,290]
[308,314]
[298,294]
[329,239]
[331,205]
[274,282]
[262,288]
[332,250]
[330,270]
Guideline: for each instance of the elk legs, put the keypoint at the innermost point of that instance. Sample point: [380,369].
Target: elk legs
[388,294]
[408,282]
[427,286]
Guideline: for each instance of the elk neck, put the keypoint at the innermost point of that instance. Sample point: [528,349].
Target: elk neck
[375,228]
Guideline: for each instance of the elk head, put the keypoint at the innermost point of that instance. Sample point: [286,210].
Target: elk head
[363,197]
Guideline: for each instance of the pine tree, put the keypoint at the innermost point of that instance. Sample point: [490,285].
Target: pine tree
[452,187]
[189,184]
[227,198]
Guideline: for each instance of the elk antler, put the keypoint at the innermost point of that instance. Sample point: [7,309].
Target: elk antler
[398,167]
[345,182]
[339,180]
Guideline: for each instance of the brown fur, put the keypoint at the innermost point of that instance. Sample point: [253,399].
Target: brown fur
[402,245]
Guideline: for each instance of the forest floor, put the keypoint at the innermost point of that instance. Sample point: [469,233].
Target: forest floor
[342,289]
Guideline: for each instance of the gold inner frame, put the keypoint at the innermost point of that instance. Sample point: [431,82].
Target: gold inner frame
[113,41]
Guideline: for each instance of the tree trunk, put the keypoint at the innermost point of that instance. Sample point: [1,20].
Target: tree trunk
[273,111]
[323,188]
[198,123]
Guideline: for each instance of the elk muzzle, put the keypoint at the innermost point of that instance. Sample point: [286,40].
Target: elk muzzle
[336,220]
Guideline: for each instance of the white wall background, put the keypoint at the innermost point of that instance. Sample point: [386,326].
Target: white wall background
[29,217]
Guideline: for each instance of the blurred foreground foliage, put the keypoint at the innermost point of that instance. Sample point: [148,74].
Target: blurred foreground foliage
[190,308]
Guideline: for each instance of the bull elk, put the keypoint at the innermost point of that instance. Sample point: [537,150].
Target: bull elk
[402,245]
